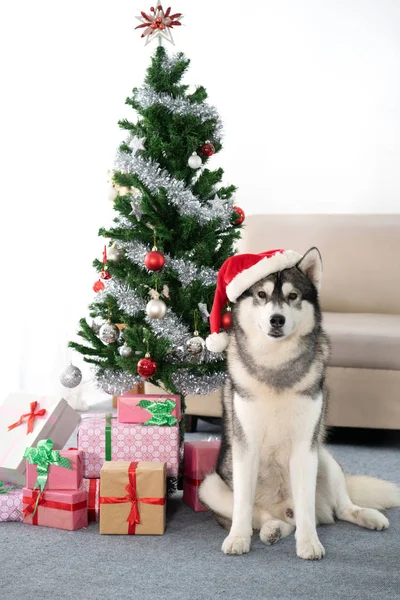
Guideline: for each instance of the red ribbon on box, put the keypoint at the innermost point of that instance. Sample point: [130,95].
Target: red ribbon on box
[191,481]
[92,500]
[134,516]
[31,503]
[31,417]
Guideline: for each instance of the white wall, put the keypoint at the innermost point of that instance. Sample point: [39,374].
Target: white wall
[308,91]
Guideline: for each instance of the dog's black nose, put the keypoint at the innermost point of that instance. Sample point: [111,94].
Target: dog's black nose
[277,321]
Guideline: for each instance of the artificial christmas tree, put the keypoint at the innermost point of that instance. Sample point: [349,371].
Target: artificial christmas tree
[175,226]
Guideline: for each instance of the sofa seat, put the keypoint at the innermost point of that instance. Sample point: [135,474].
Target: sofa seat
[364,340]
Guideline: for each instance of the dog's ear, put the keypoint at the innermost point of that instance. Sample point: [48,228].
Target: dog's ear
[311,266]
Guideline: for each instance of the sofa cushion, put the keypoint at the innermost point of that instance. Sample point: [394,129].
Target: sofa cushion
[370,341]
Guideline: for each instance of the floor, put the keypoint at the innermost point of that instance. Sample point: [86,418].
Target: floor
[187,563]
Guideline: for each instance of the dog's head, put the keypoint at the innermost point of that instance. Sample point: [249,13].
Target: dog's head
[285,302]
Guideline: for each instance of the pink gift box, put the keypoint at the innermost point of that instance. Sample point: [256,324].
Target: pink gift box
[60,478]
[199,458]
[127,442]
[11,504]
[62,509]
[129,412]
[92,486]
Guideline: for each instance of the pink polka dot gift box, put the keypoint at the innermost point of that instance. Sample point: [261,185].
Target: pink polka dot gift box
[10,502]
[101,437]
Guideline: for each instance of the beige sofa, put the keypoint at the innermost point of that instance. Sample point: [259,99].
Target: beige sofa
[360,299]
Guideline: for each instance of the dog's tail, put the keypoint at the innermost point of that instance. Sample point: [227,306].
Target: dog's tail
[216,495]
[370,492]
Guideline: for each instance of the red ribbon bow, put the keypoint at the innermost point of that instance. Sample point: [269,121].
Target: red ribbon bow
[134,516]
[31,417]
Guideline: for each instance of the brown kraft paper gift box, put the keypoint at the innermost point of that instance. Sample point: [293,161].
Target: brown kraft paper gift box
[132,498]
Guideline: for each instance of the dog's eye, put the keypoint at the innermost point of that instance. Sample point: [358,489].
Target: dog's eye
[292,296]
[261,294]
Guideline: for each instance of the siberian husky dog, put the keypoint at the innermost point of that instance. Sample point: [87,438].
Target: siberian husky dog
[274,473]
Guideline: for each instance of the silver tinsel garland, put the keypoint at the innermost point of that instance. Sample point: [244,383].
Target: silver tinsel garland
[116,382]
[189,384]
[147,97]
[125,296]
[171,328]
[187,271]
[154,177]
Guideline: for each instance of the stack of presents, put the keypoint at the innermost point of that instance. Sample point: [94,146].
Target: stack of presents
[118,473]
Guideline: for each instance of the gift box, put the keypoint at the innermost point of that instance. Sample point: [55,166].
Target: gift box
[102,437]
[132,498]
[10,502]
[199,458]
[92,487]
[62,509]
[25,419]
[61,474]
[149,409]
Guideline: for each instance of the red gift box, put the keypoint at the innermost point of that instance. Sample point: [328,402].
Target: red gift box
[62,509]
[199,459]
[92,486]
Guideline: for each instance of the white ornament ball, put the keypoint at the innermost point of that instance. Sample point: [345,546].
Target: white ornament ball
[113,253]
[156,309]
[108,333]
[125,350]
[71,377]
[195,161]
[112,193]
[195,345]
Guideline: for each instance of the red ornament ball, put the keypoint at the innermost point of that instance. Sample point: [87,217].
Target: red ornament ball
[208,149]
[105,274]
[226,320]
[154,260]
[146,367]
[98,286]
[241,214]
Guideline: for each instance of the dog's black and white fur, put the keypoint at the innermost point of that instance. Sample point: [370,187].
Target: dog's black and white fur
[273,472]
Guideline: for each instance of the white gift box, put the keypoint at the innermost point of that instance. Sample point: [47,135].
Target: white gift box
[57,423]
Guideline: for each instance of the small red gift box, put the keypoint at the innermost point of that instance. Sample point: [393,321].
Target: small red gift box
[62,509]
[92,486]
[199,459]
[59,478]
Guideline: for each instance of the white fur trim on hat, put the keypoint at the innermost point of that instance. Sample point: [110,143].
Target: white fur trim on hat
[217,342]
[266,266]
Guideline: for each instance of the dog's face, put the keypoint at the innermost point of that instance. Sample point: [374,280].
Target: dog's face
[285,302]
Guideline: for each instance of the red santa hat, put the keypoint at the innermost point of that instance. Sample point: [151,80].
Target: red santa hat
[236,275]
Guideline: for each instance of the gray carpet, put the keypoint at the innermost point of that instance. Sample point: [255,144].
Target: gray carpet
[187,563]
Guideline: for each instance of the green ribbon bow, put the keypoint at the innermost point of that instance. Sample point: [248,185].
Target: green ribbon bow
[160,412]
[5,490]
[43,456]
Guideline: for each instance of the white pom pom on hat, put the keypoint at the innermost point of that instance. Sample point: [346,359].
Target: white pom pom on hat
[236,275]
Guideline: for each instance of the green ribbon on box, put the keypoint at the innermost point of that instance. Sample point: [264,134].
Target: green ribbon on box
[43,456]
[5,490]
[160,412]
[108,436]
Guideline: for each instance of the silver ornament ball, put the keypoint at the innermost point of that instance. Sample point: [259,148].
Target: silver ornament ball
[71,377]
[108,333]
[195,161]
[196,344]
[114,254]
[125,351]
[156,309]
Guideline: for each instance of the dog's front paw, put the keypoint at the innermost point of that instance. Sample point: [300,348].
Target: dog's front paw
[236,544]
[310,548]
